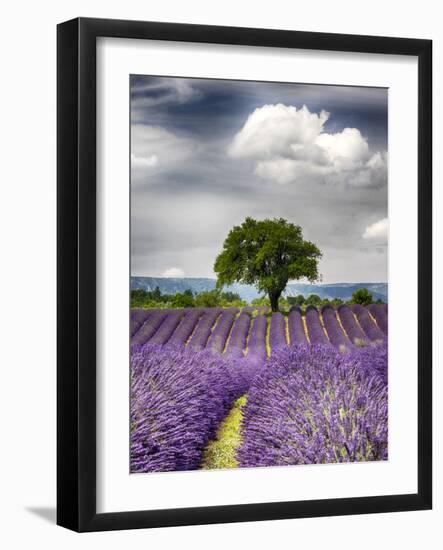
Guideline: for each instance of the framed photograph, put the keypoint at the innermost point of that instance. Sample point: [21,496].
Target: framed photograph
[244,274]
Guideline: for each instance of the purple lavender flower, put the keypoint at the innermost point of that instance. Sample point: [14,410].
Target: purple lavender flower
[239,335]
[315,330]
[374,358]
[221,331]
[367,324]
[186,327]
[168,326]
[138,317]
[351,326]
[178,398]
[295,326]
[257,340]
[380,314]
[311,404]
[277,332]
[203,329]
[150,326]
[335,333]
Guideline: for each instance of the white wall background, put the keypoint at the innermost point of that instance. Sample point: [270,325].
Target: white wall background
[27,289]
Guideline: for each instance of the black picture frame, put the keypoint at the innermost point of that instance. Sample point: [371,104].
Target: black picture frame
[76,280]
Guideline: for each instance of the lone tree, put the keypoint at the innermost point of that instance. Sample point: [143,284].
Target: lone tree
[362,296]
[267,254]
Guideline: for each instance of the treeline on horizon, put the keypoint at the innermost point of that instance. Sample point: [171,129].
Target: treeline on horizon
[215,298]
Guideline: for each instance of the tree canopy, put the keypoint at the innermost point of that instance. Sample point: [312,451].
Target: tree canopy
[298,300]
[141,298]
[362,296]
[266,253]
[313,300]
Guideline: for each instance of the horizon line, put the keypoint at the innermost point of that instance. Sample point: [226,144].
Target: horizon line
[247,284]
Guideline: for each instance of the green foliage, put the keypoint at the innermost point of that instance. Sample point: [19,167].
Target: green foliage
[298,300]
[157,295]
[261,301]
[215,298]
[149,298]
[211,298]
[362,296]
[283,304]
[235,303]
[230,296]
[314,300]
[208,298]
[267,254]
[183,299]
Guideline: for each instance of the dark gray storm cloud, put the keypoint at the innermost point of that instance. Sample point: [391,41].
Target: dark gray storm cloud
[207,153]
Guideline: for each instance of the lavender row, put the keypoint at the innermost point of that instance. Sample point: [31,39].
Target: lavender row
[178,398]
[295,327]
[239,335]
[203,329]
[351,327]
[257,339]
[138,317]
[218,328]
[221,331]
[148,329]
[335,333]
[315,330]
[313,405]
[277,332]
[186,327]
[367,324]
[165,330]
[380,314]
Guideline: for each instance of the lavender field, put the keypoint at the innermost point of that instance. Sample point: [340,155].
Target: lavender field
[255,333]
[259,326]
[222,388]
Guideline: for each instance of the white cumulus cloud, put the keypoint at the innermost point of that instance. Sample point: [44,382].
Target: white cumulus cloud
[345,146]
[290,144]
[277,130]
[174,272]
[377,230]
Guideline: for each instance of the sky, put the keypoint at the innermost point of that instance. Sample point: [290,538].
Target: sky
[205,154]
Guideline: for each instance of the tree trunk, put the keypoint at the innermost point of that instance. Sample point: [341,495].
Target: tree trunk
[273,298]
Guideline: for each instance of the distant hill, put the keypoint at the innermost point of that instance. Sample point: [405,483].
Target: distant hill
[249,292]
